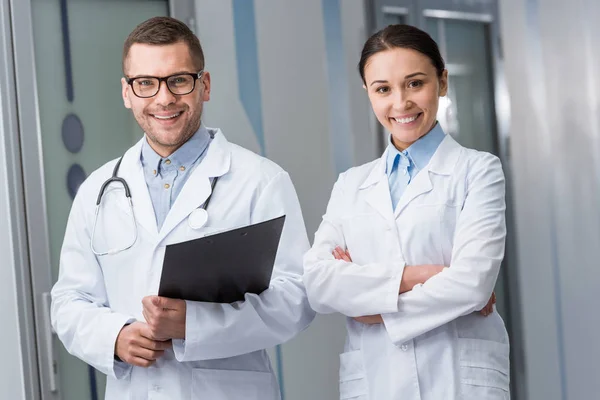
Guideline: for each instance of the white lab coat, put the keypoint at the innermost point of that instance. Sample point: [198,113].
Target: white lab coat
[433,344]
[223,355]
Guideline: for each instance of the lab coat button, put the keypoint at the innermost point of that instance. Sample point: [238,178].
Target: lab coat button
[404,347]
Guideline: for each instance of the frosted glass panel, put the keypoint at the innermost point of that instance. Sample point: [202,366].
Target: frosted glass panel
[97,127]
[468,111]
[393,19]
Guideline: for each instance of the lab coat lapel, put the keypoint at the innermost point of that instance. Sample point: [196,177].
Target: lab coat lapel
[442,163]
[131,170]
[377,190]
[197,188]
[421,184]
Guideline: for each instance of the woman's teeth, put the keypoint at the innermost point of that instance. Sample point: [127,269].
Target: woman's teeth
[406,120]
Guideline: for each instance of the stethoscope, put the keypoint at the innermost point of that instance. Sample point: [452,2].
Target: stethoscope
[196,220]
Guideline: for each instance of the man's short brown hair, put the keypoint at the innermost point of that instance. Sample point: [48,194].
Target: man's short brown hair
[163,31]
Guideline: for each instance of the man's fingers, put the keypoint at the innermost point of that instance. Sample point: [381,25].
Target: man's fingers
[148,302]
[151,344]
[166,303]
[141,362]
[146,315]
[146,353]
[161,345]
[146,332]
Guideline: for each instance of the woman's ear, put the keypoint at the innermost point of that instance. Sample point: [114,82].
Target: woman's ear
[444,83]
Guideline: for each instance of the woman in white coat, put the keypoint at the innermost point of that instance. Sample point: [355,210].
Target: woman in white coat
[411,244]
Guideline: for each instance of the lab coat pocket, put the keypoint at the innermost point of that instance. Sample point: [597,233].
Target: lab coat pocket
[219,384]
[353,379]
[484,368]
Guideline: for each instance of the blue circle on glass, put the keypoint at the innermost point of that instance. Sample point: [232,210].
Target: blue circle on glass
[75,178]
[72,133]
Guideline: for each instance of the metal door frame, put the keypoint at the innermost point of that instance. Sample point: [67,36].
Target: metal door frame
[484,11]
[28,192]
[9,134]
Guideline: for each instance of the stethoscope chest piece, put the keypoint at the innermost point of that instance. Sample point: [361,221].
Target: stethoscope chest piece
[198,218]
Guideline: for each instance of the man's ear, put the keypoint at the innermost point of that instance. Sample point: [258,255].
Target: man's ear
[125,88]
[206,86]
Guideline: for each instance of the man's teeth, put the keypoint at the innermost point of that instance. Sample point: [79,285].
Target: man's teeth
[406,120]
[168,116]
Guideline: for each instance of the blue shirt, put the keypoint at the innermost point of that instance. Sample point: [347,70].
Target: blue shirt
[403,166]
[165,177]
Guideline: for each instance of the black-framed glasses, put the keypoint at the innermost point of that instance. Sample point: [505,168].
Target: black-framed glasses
[178,84]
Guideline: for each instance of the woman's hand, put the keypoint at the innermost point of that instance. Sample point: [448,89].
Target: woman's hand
[418,274]
[340,254]
[489,308]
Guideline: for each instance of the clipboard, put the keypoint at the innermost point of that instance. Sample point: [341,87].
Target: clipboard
[223,267]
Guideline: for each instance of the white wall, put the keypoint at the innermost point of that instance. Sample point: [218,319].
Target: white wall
[300,134]
[552,53]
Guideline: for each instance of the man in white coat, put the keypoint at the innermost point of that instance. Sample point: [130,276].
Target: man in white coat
[104,304]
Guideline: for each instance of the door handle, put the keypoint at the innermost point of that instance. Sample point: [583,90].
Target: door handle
[48,333]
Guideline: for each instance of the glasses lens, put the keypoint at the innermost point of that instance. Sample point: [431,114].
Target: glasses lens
[181,84]
[145,87]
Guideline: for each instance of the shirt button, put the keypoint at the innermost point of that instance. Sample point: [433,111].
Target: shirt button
[167,161]
[403,172]
[156,388]
[404,347]
[167,186]
[154,172]
[182,168]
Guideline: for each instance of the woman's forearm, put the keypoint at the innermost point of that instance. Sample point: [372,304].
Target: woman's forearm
[417,274]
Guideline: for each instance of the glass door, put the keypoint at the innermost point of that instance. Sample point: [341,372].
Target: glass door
[67,56]
[468,111]
[83,123]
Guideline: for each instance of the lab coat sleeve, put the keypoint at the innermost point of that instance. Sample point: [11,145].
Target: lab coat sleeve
[80,314]
[478,250]
[216,330]
[346,287]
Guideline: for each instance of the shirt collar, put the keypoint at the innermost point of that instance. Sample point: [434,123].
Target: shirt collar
[419,153]
[185,156]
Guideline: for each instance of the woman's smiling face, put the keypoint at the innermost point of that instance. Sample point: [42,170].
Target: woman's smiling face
[404,89]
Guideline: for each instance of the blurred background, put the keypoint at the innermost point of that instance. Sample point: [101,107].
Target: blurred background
[523,85]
